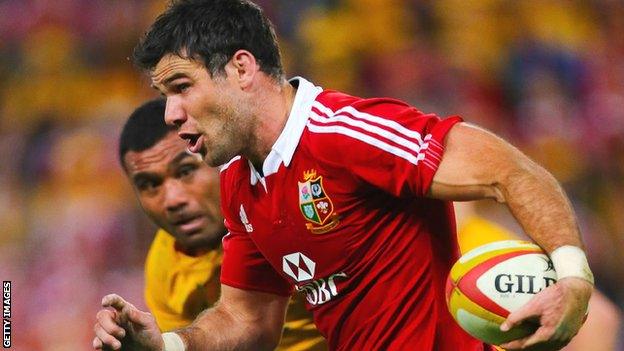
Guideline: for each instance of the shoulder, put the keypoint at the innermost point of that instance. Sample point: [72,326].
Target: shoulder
[340,125]
[376,121]
[345,117]
[230,168]
[232,174]
[333,103]
[235,175]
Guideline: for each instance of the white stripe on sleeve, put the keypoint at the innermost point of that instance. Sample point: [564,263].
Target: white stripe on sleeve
[383,133]
[371,118]
[338,129]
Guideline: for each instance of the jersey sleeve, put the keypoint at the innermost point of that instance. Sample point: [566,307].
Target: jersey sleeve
[244,266]
[383,142]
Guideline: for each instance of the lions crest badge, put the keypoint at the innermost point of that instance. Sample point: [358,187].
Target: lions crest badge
[315,205]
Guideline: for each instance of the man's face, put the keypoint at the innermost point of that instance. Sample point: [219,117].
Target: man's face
[178,191]
[210,113]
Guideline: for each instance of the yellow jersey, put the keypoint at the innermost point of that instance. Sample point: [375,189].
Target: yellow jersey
[178,287]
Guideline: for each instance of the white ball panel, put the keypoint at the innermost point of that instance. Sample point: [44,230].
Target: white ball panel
[513,282]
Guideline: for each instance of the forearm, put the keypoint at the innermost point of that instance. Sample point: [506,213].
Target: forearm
[220,329]
[477,165]
[540,206]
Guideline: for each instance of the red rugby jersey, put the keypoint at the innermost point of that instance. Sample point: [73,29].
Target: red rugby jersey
[340,217]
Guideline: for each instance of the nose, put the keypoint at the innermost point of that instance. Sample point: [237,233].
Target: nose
[174,112]
[176,197]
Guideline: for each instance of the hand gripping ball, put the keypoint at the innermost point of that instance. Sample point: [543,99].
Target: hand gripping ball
[493,280]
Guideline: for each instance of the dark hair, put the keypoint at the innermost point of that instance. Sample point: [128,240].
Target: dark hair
[211,30]
[144,128]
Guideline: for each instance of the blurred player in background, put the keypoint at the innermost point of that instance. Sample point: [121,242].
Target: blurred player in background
[342,198]
[604,317]
[180,193]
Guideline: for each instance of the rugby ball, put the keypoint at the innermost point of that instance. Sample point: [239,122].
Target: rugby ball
[493,280]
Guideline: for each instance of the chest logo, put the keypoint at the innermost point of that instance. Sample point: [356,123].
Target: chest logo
[315,204]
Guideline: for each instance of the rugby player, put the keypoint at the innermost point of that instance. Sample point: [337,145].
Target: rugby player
[180,193]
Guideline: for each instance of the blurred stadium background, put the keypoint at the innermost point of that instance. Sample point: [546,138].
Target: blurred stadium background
[548,75]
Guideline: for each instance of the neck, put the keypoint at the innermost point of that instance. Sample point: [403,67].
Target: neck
[273,105]
[196,252]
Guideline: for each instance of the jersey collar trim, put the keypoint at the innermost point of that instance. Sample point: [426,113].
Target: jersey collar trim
[286,144]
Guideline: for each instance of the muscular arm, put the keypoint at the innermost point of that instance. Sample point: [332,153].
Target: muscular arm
[241,320]
[477,164]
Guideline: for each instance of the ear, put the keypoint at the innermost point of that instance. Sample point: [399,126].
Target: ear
[244,67]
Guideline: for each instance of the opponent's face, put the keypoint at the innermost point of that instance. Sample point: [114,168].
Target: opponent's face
[178,191]
[210,113]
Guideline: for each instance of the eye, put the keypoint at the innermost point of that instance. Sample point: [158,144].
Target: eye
[182,88]
[186,170]
[147,185]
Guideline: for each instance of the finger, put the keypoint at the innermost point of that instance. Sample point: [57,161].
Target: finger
[550,339]
[115,301]
[541,335]
[97,343]
[107,339]
[514,345]
[139,317]
[108,321]
[517,317]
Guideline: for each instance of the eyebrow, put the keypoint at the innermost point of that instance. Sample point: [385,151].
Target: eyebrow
[172,78]
[144,176]
[181,156]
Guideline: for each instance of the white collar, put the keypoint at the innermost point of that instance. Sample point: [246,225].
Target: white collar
[284,148]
